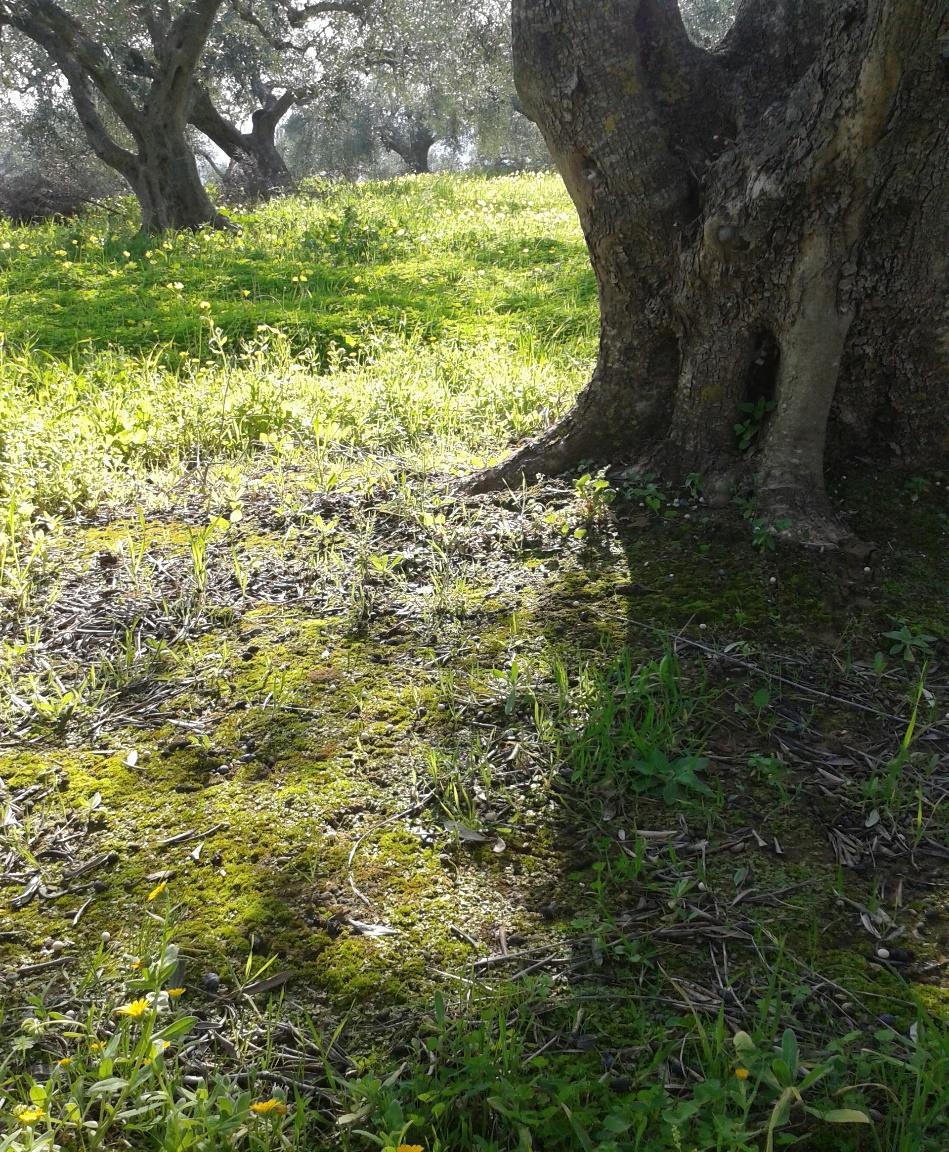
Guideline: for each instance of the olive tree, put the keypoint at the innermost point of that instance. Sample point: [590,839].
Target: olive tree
[767,222]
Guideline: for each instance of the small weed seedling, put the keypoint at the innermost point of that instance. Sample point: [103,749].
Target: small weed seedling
[788,1082]
[594,496]
[909,644]
[746,430]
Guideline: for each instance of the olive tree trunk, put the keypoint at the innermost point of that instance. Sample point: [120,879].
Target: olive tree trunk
[257,168]
[767,222]
[166,183]
[411,139]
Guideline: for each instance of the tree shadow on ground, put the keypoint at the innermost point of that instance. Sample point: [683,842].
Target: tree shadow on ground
[448,808]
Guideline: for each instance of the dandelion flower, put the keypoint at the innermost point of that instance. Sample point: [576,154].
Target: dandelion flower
[96,1046]
[410,1148]
[136,1009]
[742,1073]
[157,891]
[174,993]
[266,1107]
[29,1115]
[65,1062]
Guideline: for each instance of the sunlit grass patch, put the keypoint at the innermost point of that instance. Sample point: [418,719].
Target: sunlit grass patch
[428,321]
[442,256]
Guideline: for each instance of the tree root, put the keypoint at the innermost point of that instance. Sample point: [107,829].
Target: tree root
[805,515]
[555,451]
[796,511]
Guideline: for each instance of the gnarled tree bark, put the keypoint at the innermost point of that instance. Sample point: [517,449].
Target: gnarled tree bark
[766,219]
[260,170]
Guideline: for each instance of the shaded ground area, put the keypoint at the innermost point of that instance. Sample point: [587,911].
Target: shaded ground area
[604,772]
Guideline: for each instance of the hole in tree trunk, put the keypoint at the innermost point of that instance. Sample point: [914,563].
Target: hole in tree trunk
[707,21]
[762,375]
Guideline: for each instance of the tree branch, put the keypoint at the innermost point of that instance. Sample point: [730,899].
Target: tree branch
[299,16]
[209,160]
[181,51]
[99,137]
[207,119]
[69,45]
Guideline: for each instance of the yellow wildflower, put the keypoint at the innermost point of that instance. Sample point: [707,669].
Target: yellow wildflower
[136,964]
[29,1115]
[157,891]
[204,305]
[135,1010]
[174,993]
[96,1046]
[410,1148]
[265,1107]
[65,1062]
[742,1073]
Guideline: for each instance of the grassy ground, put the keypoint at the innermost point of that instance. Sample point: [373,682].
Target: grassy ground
[578,817]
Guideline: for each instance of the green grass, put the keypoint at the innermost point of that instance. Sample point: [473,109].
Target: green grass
[432,321]
[563,818]
[443,257]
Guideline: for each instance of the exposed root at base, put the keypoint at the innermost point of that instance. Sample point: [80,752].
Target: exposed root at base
[806,517]
[556,451]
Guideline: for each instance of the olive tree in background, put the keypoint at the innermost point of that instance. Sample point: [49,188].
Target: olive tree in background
[131,73]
